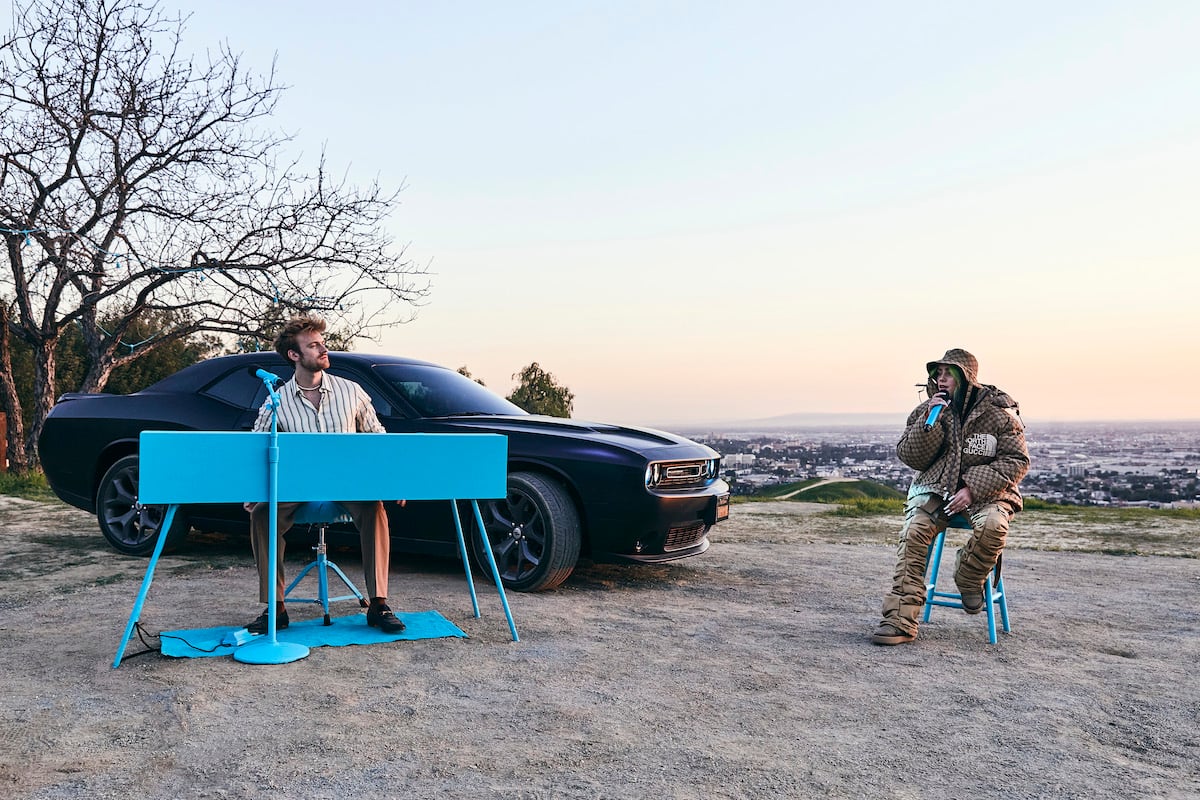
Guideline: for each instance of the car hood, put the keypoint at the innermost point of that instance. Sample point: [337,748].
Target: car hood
[643,440]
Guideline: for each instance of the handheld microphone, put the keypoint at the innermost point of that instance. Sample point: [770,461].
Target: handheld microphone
[269,377]
[934,412]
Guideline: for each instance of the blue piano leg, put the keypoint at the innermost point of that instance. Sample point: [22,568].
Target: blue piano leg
[462,551]
[495,572]
[135,614]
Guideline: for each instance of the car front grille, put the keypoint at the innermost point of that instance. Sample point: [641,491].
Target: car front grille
[684,536]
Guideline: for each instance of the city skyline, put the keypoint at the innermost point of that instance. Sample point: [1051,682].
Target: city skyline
[694,212]
[1075,463]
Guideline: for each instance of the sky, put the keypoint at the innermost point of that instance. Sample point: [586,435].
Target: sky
[694,212]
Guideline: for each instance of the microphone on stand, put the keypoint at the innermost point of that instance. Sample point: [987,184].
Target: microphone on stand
[268,377]
[934,412]
[272,381]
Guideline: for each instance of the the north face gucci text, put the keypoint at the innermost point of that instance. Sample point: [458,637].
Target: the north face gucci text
[980,444]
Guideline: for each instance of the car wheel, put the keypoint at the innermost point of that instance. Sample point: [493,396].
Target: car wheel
[534,533]
[129,526]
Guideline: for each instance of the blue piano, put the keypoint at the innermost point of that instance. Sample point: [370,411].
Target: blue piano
[188,467]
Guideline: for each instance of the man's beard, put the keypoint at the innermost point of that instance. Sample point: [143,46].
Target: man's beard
[314,364]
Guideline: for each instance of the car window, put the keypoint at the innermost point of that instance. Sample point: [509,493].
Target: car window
[240,388]
[383,408]
[260,395]
[439,392]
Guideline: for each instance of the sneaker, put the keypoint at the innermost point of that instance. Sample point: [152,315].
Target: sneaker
[889,634]
[380,616]
[262,624]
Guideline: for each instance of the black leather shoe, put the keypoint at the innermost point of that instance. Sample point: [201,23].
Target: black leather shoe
[261,624]
[380,616]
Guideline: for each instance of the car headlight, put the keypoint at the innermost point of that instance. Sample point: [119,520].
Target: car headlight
[653,475]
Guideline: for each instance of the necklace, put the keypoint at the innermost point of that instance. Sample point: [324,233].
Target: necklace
[308,388]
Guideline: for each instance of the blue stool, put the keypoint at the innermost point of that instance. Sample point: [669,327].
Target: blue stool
[323,514]
[993,584]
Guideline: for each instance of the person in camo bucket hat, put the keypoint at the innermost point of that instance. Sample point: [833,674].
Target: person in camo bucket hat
[969,461]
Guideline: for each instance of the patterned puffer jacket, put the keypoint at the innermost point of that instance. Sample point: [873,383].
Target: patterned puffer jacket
[981,445]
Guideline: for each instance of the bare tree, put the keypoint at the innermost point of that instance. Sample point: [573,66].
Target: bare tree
[135,180]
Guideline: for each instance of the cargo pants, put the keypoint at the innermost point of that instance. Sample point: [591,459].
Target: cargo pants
[903,605]
[369,517]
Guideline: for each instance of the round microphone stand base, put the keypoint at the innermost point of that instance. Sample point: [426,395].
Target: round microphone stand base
[269,652]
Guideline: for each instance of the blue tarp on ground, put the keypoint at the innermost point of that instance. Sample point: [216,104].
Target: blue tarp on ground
[205,642]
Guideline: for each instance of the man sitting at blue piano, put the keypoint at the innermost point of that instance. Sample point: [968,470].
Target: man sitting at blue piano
[314,401]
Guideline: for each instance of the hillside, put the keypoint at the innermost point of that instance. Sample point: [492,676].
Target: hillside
[830,490]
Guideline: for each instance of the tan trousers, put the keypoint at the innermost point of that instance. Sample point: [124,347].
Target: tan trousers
[902,606]
[370,519]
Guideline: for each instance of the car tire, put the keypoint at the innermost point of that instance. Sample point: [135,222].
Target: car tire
[130,527]
[534,533]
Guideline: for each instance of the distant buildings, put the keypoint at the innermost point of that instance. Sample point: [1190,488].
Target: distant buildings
[1127,464]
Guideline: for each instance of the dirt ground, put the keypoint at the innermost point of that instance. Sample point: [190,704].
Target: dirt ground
[744,673]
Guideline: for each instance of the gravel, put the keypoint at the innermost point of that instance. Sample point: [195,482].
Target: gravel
[743,673]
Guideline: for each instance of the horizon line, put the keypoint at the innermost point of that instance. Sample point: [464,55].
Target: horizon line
[808,419]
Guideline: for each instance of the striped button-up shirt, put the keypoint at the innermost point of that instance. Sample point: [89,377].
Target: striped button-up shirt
[345,408]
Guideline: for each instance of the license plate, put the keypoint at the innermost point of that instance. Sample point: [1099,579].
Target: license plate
[722,507]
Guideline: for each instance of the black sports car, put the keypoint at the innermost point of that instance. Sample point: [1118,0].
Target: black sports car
[575,489]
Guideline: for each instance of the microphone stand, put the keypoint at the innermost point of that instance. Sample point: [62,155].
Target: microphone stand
[269,650]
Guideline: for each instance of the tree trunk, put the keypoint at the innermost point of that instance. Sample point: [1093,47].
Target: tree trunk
[44,371]
[100,359]
[11,402]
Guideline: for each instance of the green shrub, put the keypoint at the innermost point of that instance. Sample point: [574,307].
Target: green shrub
[1037,504]
[1113,514]
[868,506]
[30,486]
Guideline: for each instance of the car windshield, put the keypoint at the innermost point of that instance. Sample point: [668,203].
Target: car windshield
[440,392]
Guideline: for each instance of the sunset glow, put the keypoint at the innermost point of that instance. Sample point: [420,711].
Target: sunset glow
[708,211]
